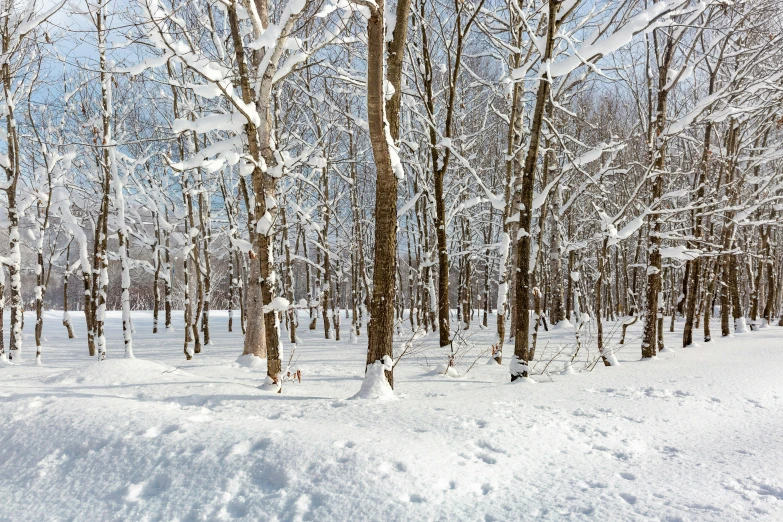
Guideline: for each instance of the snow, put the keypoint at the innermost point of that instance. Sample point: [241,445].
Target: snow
[374,385]
[408,205]
[251,361]
[213,122]
[279,304]
[621,37]
[680,252]
[693,435]
[740,325]
[564,324]
[241,244]
[115,372]
[448,371]
[628,230]
[32,22]
[264,225]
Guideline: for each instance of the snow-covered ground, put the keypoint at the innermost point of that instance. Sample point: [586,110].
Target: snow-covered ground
[695,435]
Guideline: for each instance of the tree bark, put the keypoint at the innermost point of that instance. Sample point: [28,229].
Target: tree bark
[523,353]
[381,326]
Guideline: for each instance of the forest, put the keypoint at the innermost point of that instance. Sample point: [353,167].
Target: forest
[377,172]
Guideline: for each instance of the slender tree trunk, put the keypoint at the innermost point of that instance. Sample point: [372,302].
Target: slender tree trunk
[241,278]
[326,267]
[2,313]
[122,247]
[381,326]
[312,289]
[205,224]
[650,337]
[40,291]
[557,312]
[156,280]
[255,337]
[709,297]
[13,170]
[188,312]
[769,263]
[698,230]
[598,305]
[167,281]
[66,316]
[289,275]
[523,353]
[102,262]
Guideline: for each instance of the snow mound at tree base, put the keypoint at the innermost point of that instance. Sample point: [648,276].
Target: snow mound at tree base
[375,386]
[114,372]
[563,325]
[448,371]
[740,325]
[250,361]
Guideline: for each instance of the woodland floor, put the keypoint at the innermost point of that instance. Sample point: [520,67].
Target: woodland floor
[696,434]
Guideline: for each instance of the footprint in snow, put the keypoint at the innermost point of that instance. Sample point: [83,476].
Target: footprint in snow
[486,459]
[261,444]
[343,444]
[171,429]
[631,499]
[751,485]
[628,476]
[157,485]
[489,447]
[670,451]
[238,507]
[635,420]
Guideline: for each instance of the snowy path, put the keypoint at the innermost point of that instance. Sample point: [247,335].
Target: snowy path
[695,435]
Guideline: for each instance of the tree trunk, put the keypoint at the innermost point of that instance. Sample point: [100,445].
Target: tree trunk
[255,337]
[156,279]
[381,325]
[523,353]
[66,316]
[598,290]
[650,338]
